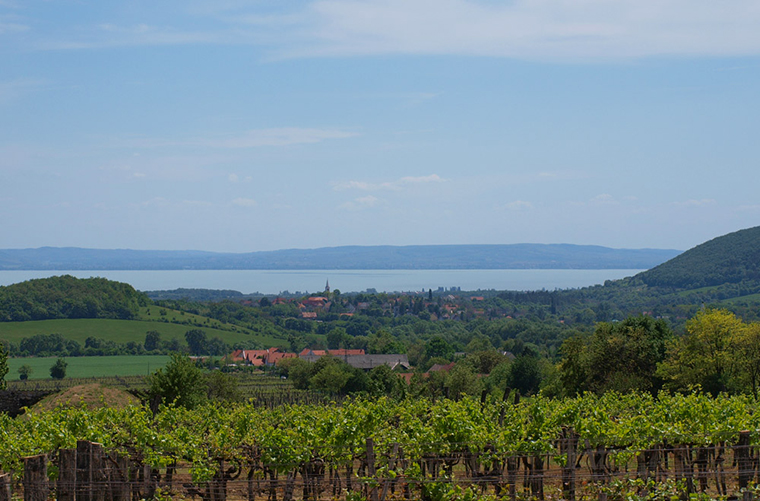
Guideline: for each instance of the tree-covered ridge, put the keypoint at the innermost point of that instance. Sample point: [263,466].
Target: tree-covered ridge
[733,258]
[69,297]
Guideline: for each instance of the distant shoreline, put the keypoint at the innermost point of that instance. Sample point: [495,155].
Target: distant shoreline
[273,282]
[420,257]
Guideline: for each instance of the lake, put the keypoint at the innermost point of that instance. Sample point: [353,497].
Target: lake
[304,281]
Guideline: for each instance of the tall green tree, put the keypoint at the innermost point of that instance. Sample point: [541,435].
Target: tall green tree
[196,340]
[181,382]
[620,356]
[746,344]
[706,355]
[152,340]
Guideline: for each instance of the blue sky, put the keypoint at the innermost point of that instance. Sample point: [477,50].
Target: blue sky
[257,125]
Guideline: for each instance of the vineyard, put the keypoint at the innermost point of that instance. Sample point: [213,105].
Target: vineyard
[615,446]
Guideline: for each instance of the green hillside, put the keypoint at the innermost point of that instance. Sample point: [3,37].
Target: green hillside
[122,331]
[730,259]
[69,297]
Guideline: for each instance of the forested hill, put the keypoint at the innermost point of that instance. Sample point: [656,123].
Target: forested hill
[729,259]
[69,297]
[488,257]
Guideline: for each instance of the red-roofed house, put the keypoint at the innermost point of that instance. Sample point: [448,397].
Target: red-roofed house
[259,358]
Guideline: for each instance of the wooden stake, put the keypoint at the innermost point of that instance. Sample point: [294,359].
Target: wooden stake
[36,487]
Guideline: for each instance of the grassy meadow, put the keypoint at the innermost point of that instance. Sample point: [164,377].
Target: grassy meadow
[123,331]
[82,367]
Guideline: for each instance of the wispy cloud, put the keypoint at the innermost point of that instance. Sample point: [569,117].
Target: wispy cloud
[11,90]
[279,137]
[256,138]
[749,207]
[519,205]
[112,35]
[532,29]
[563,30]
[604,199]
[362,203]
[11,27]
[283,136]
[244,202]
[396,185]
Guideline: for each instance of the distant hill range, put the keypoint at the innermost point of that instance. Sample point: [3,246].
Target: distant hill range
[515,256]
[730,259]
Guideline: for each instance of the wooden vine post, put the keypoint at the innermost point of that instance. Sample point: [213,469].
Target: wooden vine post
[5,487]
[371,471]
[568,446]
[67,475]
[91,474]
[744,460]
[36,487]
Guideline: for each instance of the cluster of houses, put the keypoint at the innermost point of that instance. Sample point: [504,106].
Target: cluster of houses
[355,358]
[442,308]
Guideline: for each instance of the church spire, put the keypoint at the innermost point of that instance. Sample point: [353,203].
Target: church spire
[327,287]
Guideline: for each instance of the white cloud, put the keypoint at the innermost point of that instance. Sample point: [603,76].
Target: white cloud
[560,30]
[233,178]
[433,178]
[396,185]
[362,203]
[604,199]
[244,202]
[531,29]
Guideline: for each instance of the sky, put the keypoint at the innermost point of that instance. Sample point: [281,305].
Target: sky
[250,125]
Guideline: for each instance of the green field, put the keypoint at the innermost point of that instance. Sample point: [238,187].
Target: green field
[80,367]
[123,331]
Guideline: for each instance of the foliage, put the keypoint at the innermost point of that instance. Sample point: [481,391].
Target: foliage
[58,369]
[222,387]
[731,258]
[181,383]
[707,356]
[152,340]
[199,344]
[525,374]
[286,438]
[621,356]
[24,372]
[69,297]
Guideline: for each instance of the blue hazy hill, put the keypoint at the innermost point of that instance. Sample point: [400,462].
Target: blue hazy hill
[513,256]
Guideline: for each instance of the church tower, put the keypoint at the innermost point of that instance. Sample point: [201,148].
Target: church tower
[327,287]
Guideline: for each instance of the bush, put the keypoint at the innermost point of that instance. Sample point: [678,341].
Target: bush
[24,371]
[58,370]
[181,382]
